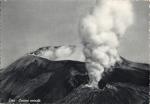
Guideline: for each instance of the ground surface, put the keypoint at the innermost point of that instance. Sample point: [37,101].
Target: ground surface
[62,82]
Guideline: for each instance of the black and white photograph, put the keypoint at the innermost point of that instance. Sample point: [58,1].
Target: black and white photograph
[74,51]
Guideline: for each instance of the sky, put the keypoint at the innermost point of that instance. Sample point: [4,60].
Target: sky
[30,24]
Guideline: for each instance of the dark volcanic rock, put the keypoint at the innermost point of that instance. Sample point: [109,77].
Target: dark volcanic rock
[111,94]
[60,82]
[38,78]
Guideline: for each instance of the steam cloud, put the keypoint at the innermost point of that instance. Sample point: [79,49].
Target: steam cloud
[100,31]
[54,52]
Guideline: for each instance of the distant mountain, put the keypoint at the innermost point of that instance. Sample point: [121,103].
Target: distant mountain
[62,82]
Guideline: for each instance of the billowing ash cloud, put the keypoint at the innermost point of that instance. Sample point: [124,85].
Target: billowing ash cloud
[100,32]
[54,52]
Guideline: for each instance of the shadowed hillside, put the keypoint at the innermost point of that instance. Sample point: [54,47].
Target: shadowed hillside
[62,82]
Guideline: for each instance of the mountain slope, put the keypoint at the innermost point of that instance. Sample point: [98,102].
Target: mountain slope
[32,77]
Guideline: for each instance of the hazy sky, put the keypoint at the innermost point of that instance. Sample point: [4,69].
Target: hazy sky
[29,24]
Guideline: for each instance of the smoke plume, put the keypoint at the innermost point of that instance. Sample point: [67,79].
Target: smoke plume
[54,52]
[100,31]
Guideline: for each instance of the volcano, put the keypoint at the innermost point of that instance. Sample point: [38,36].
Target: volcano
[62,82]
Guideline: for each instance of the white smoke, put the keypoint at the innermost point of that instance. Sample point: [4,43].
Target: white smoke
[100,31]
[64,51]
[54,52]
